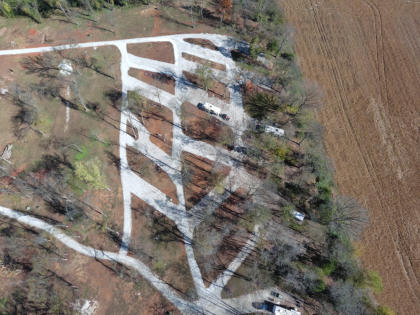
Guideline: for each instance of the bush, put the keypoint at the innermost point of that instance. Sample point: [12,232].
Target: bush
[313,282]
[89,172]
[347,299]
[341,254]
[372,280]
[256,216]
[383,310]
[328,268]
[259,104]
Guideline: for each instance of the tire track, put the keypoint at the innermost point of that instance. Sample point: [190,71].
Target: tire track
[394,152]
[365,157]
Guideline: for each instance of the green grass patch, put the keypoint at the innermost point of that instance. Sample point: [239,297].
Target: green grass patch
[44,123]
[82,154]
[328,268]
[90,173]
[384,310]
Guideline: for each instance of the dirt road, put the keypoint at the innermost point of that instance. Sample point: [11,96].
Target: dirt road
[365,55]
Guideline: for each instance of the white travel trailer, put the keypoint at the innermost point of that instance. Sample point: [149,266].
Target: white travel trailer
[298,216]
[210,108]
[274,130]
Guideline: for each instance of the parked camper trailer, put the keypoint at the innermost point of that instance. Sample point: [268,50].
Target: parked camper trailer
[298,216]
[214,110]
[274,130]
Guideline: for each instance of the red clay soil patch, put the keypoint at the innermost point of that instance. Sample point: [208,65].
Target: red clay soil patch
[205,43]
[158,243]
[200,125]
[116,289]
[220,238]
[132,131]
[159,80]
[160,51]
[232,209]
[151,173]
[216,88]
[200,176]
[158,121]
[203,61]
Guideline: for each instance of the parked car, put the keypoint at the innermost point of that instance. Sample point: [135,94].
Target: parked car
[224,116]
[241,150]
[276,294]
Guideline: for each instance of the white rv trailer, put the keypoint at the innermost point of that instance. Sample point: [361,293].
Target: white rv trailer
[298,216]
[212,109]
[274,130]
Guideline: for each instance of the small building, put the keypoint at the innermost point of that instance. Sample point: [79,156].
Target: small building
[274,130]
[210,108]
[298,215]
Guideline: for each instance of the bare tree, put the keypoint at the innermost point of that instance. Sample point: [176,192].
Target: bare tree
[349,217]
[312,97]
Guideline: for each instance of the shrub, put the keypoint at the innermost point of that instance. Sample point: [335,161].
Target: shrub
[160,268]
[89,172]
[273,46]
[374,281]
[328,268]
[259,104]
[256,216]
[383,310]
[254,47]
[370,279]
[347,299]
[341,253]
[288,56]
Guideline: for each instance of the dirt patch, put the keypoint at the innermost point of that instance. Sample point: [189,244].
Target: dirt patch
[49,150]
[160,51]
[214,88]
[157,242]
[159,80]
[205,43]
[151,173]
[220,238]
[206,62]
[158,121]
[200,125]
[200,176]
[115,288]
[132,131]
[364,54]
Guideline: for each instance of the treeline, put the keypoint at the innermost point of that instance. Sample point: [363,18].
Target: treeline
[298,169]
[38,9]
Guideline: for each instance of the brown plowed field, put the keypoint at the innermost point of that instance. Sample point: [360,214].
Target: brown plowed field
[365,55]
